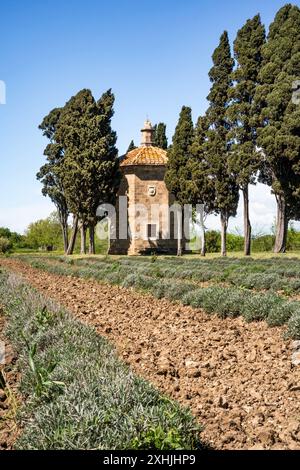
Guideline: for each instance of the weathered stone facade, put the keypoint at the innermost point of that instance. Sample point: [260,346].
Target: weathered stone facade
[147,215]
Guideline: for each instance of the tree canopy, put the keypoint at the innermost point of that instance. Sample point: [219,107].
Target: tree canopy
[278,117]
[160,138]
[217,145]
[45,233]
[244,160]
[50,173]
[131,146]
[82,157]
[177,176]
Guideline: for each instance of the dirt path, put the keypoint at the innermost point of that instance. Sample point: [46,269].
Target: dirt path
[9,397]
[236,377]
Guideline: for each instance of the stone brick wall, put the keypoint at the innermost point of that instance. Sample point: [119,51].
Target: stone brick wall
[144,185]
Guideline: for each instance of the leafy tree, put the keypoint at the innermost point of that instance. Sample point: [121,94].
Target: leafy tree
[217,144]
[5,245]
[160,138]
[49,174]
[5,232]
[45,233]
[131,146]
[278,115]
[14,237]
[244,159]
[90,171]
[177,174]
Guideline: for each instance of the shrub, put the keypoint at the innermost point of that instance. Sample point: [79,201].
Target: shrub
[5,245]
[263,243]
[194,298]
[221,300]
[213,241]
[139,281]
[259,306]
[231,304]
[256,280]
[281,313]
[293,326]
[172,290]
[235,242]
[157,438]
[113,278]
[293,285]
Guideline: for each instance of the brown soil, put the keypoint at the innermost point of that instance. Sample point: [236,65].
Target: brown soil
[9,378]
[236,377]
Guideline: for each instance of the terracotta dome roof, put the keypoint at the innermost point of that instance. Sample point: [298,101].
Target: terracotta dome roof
[145,155]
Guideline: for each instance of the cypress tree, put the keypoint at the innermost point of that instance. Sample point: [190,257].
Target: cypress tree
[106,173]
[177,174]
[278,115]
[201,186]
[131,147]
[244,159]
[160,138]
[72,136]
[217,145]
[90,171]
[49,173]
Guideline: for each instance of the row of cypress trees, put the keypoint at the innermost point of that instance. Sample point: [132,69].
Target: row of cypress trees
[250,131]
[251,128]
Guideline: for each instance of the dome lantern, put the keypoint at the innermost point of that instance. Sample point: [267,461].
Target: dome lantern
[147,134]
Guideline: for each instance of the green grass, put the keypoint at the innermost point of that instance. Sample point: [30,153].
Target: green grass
[77,393]
[255,289]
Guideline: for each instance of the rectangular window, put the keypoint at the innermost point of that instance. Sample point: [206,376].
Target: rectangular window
[151,231]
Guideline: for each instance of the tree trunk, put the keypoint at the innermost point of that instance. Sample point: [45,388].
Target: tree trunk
[179,234]
[224,224]
[247,224]
[73,236]
[203,243]
[92,250]
[65,236]
[63,219]
[203,235]
[281,226]
[179,246]
[82,239]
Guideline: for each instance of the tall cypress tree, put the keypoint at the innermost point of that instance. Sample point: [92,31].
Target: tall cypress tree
[49,173]
[218,139]
[131,146]
[106,174]
[177,175]
[71,135]
[279,117]
[90,171]
[201,186]
[244,159]
[160,138]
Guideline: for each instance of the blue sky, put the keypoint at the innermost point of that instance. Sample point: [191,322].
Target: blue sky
[155,55]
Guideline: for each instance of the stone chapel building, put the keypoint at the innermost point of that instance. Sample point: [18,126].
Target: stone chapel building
[149,224]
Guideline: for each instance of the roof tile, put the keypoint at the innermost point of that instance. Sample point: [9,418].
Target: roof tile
[146,155]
